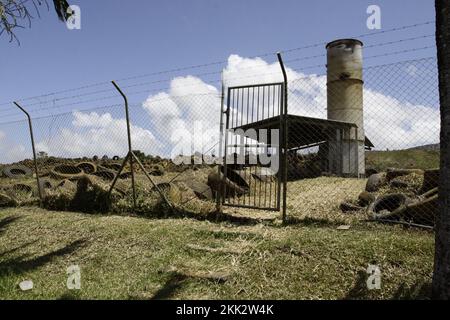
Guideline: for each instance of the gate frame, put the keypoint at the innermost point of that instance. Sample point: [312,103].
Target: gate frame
[282,147]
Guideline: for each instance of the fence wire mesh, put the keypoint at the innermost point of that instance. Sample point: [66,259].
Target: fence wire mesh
[356,150]
[395,146]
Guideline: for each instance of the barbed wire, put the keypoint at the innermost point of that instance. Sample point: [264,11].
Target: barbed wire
[121,104]
[211,94]
[218,62]
[217,81]
[130,94]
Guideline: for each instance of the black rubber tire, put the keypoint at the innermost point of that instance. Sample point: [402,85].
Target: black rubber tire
[65,171]
[424,211]
[157,170]
[371,171]
[170,190]
[375,181]
[236,177]
[125,175]
[366,198]
[20,187]
[399,184]
[105,174]
[200,189]
[7,201]
[389,206]
[429,194]
[430,180]
[87,167]
[215,180]
[17,171]
[115,158]
[45,183]
[112,166]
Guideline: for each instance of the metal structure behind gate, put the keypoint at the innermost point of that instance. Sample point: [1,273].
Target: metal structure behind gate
[253,158]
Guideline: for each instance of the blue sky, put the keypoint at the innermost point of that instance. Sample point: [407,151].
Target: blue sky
[121,39]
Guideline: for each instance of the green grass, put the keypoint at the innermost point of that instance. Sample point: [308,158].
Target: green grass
[136,258]
[417,159]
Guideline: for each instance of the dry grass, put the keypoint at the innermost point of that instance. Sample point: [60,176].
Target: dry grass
[319,199]
[314,200]
[251,256]
[137,258]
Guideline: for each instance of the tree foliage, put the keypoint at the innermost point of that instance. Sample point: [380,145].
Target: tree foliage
[19,13]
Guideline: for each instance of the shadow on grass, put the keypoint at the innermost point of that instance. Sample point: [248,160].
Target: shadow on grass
[311,222]
[4,253]
[177,279]
[213,216]
[418,291]
[359,290]
[71,295]
[7,221]
[19,265]
[171,286]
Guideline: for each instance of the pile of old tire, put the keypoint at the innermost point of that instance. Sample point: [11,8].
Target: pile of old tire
[364,199]
[378,180]
[170,191]
[430,180]
[6,201]
[233,184]
[375,182]
[105,173]
[87,167]
[66,171]
[200,189]
[388,206]
[45,183]
[398,207]
[157,170]
[17,171]
[108,172]
[18,194]
[86,194]
[22,188]
[112,166]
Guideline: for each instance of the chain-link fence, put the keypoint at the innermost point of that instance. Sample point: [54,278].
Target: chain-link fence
[381,154]
[349,143]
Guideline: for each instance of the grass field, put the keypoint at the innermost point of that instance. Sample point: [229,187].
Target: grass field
[417,159]
[126,257]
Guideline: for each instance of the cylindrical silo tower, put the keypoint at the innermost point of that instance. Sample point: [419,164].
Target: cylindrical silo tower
[345,103]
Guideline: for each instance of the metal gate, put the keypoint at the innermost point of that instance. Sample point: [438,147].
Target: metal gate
[253,158]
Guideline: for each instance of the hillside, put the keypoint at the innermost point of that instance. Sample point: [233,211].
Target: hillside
[412,158]
[430,147]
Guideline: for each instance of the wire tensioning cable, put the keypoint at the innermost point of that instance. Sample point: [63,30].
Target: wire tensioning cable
[223,61]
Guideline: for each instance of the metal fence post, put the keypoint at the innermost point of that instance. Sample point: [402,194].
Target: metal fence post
[285,128]
[30,125]
[132,157]
[221,187]
[130,150]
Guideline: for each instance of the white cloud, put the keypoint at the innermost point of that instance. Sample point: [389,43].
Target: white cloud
[11,152]
[92,119]
[191,105]
[186,118]
[389,122]
[97,134]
